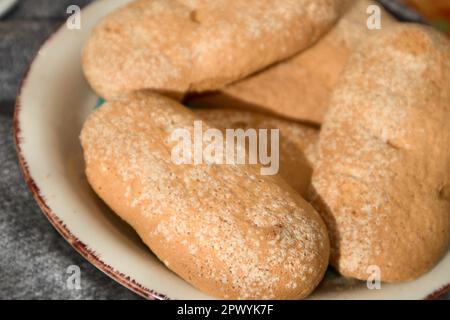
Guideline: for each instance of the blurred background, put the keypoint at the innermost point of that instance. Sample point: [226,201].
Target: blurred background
[33,257]
[437,12]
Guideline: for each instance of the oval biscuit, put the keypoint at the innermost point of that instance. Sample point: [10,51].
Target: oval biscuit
[384,157]
[176,46]
[225,229]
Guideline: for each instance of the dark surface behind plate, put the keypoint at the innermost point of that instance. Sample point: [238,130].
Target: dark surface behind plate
[33,256]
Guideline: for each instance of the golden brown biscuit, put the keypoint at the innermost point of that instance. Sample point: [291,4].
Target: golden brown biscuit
[383,167]
[225,229]
[175,46]
[300,88]
[297,141]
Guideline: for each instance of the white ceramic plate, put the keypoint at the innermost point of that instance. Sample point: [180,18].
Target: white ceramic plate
[53,103]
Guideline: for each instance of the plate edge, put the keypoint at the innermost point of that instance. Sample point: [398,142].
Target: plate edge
[56,222]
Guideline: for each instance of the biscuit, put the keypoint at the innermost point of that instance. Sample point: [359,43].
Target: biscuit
[300,88]
[297,141]
[225,229]
[176,46]
[382,172]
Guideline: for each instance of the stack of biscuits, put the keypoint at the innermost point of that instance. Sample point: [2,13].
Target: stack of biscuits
[362,104]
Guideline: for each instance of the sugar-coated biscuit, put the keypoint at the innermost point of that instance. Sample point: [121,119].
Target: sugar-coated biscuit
[300,88]
[382,173]
[225,229]
[296,145]
[176,46]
